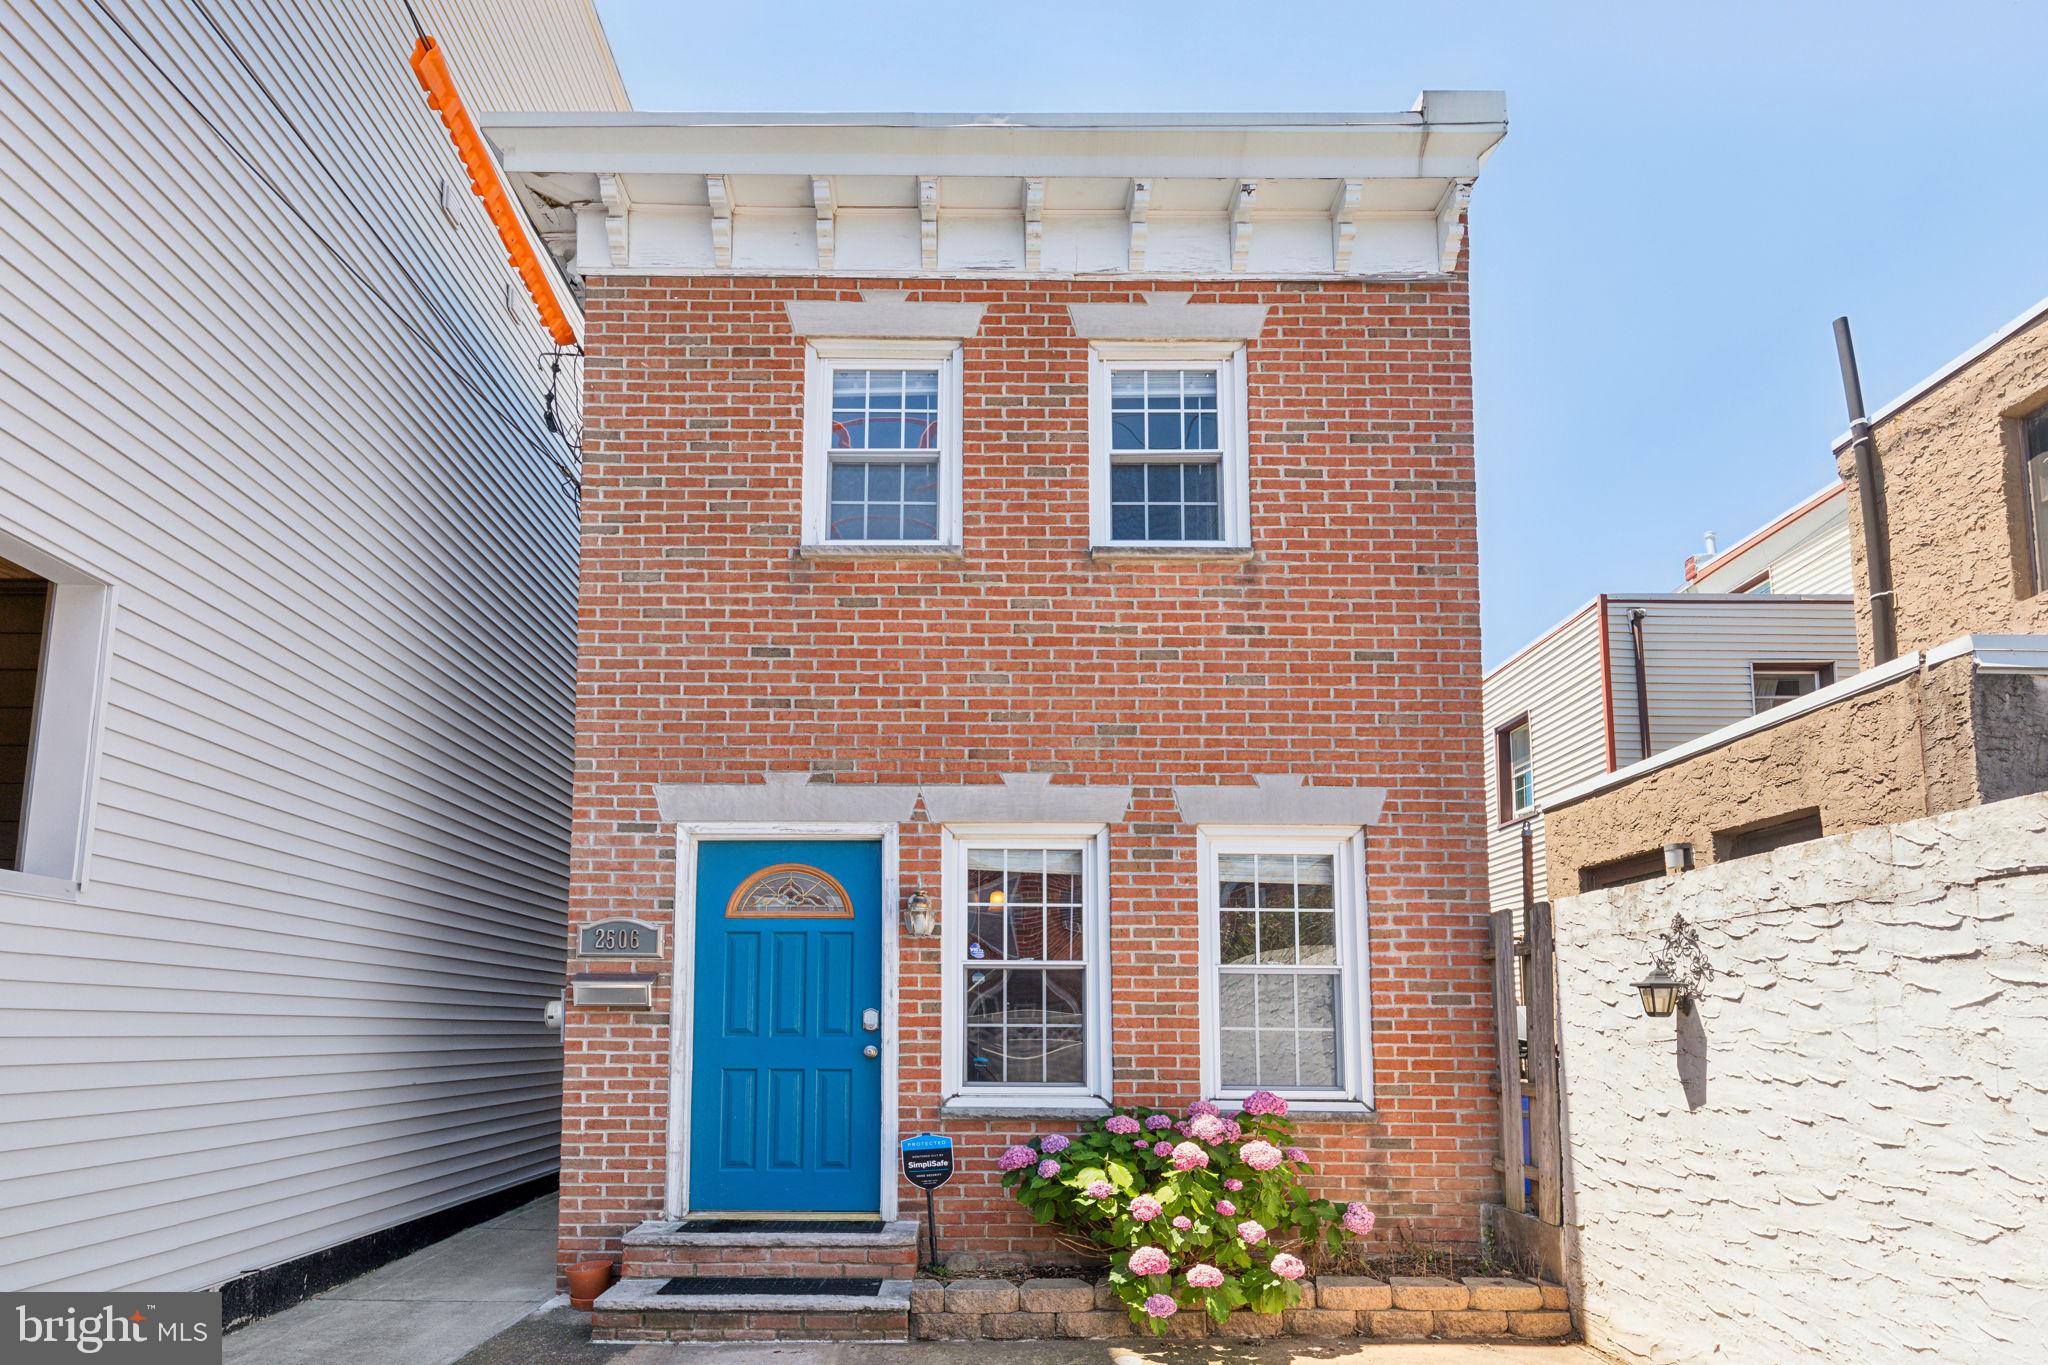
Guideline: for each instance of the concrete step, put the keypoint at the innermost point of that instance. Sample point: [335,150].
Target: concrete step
[660,1249]
[641,1310]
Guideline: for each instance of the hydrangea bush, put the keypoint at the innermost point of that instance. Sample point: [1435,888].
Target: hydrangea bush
[1200,1211]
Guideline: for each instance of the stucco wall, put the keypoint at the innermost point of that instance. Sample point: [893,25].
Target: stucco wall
[1860,762]
[1843,1154]
[1950,464]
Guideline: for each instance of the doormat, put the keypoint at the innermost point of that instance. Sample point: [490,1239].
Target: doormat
[756,1286]
[834,1225]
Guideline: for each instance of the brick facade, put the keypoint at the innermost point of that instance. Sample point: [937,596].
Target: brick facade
[1346,650]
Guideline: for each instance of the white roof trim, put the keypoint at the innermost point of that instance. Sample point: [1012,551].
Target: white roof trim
[1954,367]
[1991,653]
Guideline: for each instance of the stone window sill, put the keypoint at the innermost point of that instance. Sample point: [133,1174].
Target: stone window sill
[989,1107]
[852,551]
[1169,553]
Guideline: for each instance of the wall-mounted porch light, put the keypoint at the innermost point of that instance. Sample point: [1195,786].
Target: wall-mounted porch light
[1678,971]
[920,916]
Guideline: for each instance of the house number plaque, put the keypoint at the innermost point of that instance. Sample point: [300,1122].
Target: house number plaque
[619,938]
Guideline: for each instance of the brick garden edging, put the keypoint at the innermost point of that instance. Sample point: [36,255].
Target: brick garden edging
[1406,1307]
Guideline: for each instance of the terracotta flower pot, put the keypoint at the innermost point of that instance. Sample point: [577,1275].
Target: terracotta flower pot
[588,1279]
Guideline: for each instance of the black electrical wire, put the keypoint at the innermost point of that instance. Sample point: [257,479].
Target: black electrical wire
[489,399]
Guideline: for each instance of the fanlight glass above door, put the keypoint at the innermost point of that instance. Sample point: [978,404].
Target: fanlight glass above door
[790,891]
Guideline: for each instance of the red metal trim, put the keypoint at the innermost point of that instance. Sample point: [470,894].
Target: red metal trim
[431,69]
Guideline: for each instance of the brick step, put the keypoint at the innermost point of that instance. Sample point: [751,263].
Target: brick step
[659,1250]
[640,1310]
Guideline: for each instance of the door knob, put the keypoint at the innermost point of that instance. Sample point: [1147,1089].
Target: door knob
[871,1051]
[871,1020]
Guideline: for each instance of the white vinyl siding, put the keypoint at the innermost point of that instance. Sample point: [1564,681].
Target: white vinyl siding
[1698,651]
[1556,684]
[298,998]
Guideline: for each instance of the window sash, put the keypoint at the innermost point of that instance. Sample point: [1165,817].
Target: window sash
[1026,947]
[1763,681]
[2035,436]
[1350,1033]
[1517,774]
[1228,511]
[917,504]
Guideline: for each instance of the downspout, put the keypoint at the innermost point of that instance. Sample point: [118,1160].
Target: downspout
[1877,557]
[1635,636]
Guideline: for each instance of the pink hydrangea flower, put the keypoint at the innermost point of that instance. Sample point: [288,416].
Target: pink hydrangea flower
[1057,1142]
[1149,1261]
[1204,1276]
[1048,1168]
[1100,1189]
[1161,1306]
[1232,1130]
[1296,1154]
[1252,1233]
[1188,1157]
[1358,1219]
[1120,1123]
[1226,1208]
[1014,1158]
[1288,1267]
[1162,1149]
[1145,1208]
[1233,1184]
[1265,1102]
[1260,1155]
[1183,1222]
[1206,1128]
[1157,1121]
[1202,1107]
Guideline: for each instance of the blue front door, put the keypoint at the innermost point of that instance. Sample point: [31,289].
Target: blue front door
[785,1105]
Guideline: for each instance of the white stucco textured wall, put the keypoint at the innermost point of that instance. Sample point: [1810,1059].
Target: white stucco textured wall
[1843,1154]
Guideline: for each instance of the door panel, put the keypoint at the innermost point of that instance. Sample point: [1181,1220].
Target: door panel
[786,1112]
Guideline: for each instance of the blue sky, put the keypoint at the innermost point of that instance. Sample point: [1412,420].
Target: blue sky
[1687,197]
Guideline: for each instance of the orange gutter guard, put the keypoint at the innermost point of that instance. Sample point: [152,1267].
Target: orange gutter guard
[432,70]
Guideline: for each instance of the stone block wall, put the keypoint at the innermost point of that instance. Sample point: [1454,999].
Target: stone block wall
[1842,1154]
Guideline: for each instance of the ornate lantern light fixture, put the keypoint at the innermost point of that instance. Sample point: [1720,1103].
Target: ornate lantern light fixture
[1678,971]
[920,916]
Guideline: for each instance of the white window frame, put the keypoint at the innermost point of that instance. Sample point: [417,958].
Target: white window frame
[1093,1095]
[822,358]
[64,742]
[1345,844]
[1818,672]
[1233,476]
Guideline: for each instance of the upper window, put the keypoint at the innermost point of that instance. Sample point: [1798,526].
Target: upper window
[1284,946]
[24,606]
[1169,449]
[53,649]
[1517,774]
[2035,435]
[1775,684]
[882,458]
[1026,951]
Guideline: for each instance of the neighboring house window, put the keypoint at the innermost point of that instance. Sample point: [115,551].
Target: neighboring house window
[2036,437]
[882,447]
[1284,953]
[1759,586]
[1026,946]
[53,648]
[1642,867]
[1168,440]
[1775,684]
[1798,829]
[1517,774]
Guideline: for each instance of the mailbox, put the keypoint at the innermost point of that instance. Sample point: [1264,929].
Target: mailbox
[613,990]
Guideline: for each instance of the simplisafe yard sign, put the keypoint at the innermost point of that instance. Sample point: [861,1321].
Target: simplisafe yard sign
[928,1164]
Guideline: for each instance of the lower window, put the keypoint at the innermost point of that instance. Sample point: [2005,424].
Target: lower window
[1284,952]
[1023,930]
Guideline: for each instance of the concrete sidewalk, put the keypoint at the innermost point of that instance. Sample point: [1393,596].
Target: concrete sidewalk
[430,1308]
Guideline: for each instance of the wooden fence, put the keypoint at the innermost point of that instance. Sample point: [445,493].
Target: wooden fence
[1531,1152]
